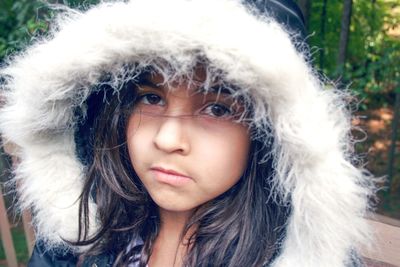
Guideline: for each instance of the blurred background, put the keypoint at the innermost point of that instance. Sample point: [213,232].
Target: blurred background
[354,43]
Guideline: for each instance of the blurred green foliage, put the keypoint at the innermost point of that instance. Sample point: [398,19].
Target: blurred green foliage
[22,20]
[373,53]
[18,23]
[20,245]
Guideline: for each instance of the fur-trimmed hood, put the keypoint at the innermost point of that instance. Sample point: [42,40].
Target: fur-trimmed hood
[312,148]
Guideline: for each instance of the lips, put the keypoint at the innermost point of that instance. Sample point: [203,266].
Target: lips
[167,171]
[170,177]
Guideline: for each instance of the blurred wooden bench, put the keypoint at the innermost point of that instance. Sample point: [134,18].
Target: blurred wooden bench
[385,252]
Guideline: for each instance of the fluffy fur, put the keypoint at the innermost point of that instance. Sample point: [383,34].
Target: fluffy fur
[310,125]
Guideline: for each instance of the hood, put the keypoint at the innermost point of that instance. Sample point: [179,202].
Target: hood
[309,123]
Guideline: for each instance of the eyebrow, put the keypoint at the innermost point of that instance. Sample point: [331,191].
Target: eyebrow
[147,82]
[217,89]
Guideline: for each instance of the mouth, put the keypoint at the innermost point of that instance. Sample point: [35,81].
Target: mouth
[168,176]
[168,171]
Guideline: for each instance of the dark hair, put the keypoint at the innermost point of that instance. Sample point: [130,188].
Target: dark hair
[242,227]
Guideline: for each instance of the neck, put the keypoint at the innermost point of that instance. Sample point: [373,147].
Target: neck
[172,222]
[170,246]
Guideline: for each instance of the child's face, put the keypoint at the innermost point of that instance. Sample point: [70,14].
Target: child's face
[185,146]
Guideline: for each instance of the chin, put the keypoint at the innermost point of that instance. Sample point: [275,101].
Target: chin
[176,207]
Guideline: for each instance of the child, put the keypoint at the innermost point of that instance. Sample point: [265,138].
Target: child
[183,133]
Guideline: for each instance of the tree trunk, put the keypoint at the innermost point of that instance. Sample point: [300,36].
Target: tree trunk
[344,35]
[322,35]
[305,6]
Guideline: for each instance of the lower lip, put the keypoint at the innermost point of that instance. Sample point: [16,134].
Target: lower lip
[171,179]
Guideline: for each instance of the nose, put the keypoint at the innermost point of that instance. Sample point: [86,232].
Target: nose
[171,136]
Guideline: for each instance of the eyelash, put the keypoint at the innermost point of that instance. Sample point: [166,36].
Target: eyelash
[145,96]
[228,112]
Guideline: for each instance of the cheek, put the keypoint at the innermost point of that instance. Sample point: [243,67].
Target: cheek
[137,139]
[227,156]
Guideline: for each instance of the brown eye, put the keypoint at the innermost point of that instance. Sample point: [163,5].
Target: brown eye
[218,110]
[151,99]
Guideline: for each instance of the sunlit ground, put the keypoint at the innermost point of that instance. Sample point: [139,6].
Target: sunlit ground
[378,126]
